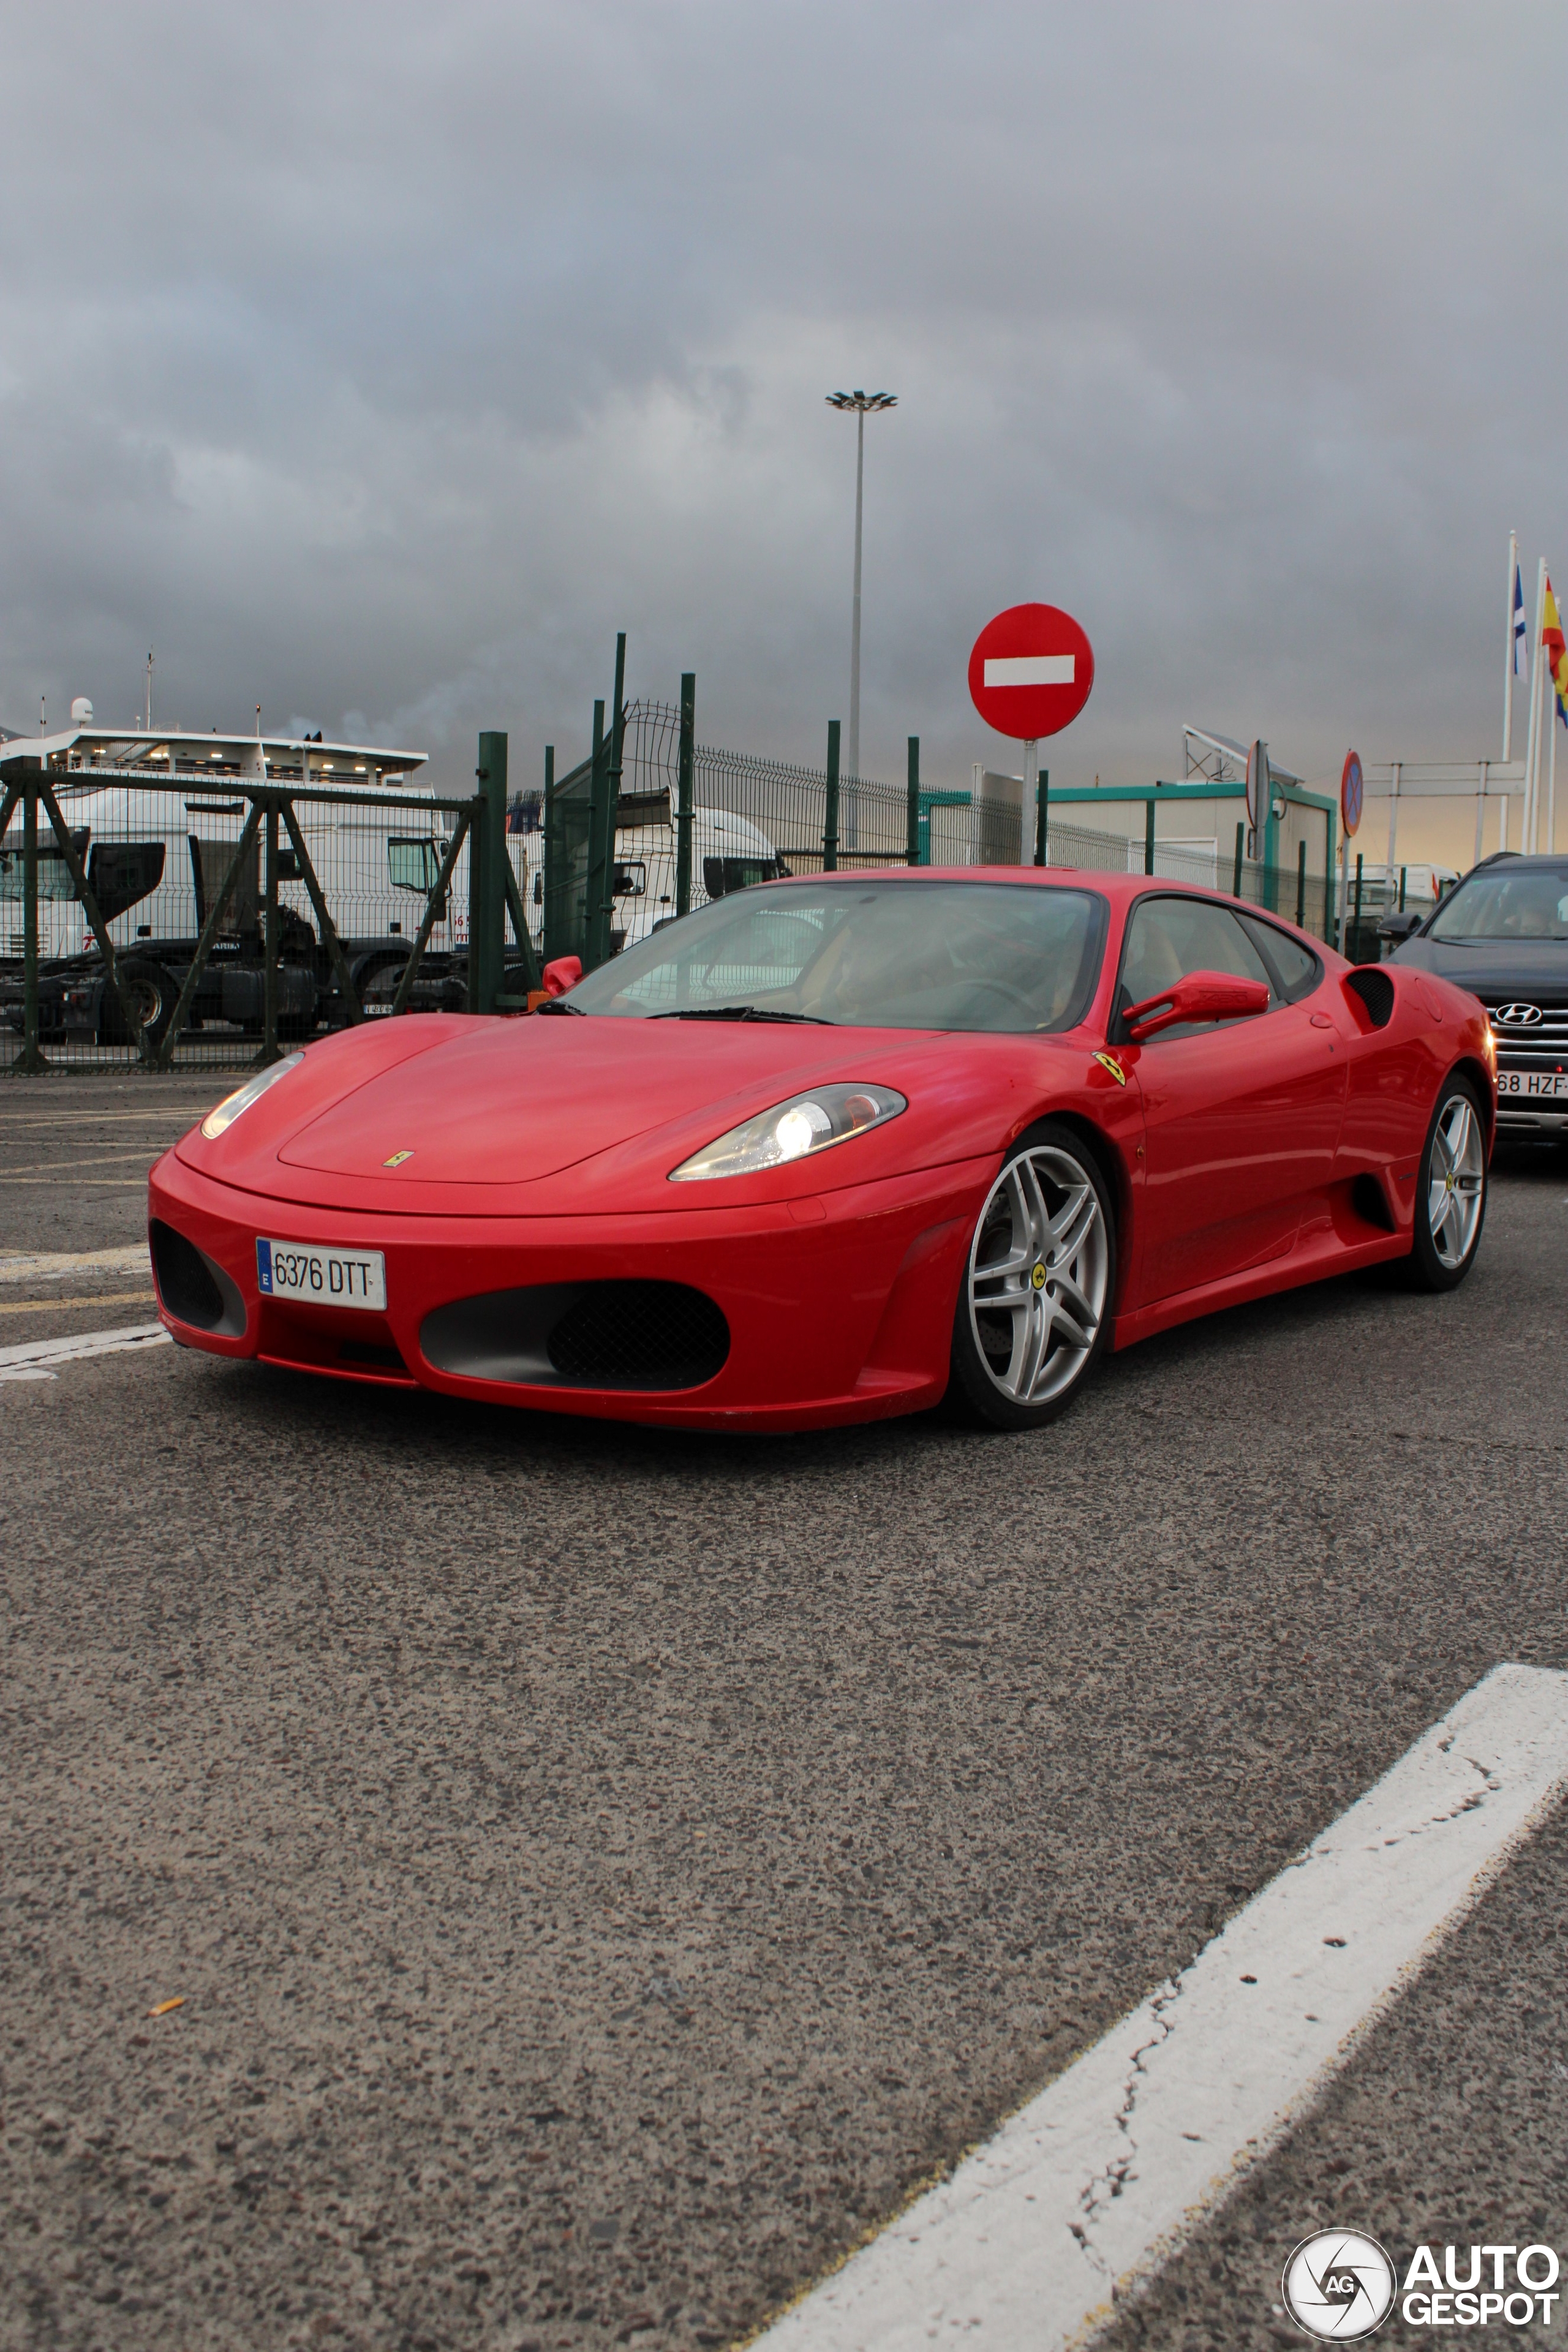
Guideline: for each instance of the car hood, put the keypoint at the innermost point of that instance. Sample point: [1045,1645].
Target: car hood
[562,1117]
[1495,968]
[507,1107]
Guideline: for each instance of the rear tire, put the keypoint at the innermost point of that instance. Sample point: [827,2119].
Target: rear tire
[1038,1283]
[1451,1192]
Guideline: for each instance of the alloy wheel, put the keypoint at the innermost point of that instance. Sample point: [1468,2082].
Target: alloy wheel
[1038,1271]
[1456,1182]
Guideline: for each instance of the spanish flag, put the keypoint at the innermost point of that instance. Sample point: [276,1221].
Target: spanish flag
[1555,647]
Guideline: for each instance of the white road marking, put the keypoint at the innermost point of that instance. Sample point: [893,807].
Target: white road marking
[37,1360]
[1032,669]
[1085,2192]
[51,1266]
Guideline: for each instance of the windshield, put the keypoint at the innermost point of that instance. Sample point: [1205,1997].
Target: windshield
[867,954]
[1507,902]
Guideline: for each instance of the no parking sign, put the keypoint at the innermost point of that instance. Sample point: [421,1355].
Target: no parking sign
[1353,791]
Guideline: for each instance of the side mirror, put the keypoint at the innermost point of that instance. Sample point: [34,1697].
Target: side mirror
[1399,927]
[562,974]
[1198,996]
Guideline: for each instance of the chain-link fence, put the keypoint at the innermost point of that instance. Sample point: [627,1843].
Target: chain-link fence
[692,823]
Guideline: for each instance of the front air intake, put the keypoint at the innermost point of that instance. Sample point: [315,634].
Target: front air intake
[645,1336]
[193,1287]
[639,1335]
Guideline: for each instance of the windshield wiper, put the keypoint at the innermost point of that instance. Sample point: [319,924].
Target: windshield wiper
[559,1004]
[742,1012]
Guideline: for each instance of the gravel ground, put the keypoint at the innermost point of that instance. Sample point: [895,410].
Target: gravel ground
[603,1874]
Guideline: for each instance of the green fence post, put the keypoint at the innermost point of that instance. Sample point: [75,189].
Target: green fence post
[830,812]
[1042,811]
[30,1060]
[684,784]
[1402,872]
[912,806]
[1240,849]
[487,850]
[1359,860]
[1149,836]
[600,847]
[270,939]
[551,861]
[1301,886]
[618,745]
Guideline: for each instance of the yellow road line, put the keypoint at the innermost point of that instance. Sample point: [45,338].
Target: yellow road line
[59,1306]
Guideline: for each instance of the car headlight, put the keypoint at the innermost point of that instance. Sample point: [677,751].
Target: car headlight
[793,1131]
[218,1121]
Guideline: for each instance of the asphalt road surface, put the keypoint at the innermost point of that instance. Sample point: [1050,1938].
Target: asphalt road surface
[604,1874]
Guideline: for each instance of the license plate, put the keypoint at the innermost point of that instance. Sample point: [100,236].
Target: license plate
[1533,1082]
[326,1277]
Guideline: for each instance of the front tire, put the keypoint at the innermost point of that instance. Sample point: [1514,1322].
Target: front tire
[151,991]
[1450,1190]
[1034,1307]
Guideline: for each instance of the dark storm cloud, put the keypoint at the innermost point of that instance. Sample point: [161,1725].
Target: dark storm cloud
[384,360]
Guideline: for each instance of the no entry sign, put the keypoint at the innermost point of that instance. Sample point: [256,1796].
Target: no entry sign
[1031,671]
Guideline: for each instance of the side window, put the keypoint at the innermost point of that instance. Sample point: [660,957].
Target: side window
[631,880]
[1295,968]
[413,866]
[1168,937]
[123,871]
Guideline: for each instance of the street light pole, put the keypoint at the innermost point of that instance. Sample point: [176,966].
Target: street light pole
[860,403]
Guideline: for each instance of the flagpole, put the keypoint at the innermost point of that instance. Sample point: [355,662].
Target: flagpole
[1507,658]
[1551,775]
[1533,739]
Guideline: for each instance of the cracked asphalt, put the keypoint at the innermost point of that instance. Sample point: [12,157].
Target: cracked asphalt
[602,1875]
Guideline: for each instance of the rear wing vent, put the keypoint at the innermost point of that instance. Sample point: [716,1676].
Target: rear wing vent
[1376,990]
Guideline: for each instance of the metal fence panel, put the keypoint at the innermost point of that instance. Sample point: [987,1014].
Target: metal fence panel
[238,915]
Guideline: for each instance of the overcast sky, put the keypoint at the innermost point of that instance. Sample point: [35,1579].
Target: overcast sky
[376,363]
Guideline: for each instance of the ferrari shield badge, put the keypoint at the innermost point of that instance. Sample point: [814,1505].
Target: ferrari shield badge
[397,1160]
[1108,1062]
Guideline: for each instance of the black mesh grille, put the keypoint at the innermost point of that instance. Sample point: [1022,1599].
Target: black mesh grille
[185,1285]
[1375,991]
[639,1335]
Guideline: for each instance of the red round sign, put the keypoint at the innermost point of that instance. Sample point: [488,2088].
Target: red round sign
[1031,671]
[1352,792]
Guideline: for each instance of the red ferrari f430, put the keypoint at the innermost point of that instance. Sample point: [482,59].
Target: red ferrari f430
[833,1149]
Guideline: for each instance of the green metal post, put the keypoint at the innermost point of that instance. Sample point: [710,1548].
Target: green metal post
[1330,869]
[1241,851]
[1359,861]
[486,852]
[550,860]
[684,788]
[270,940]
[600,847]
[1149,835]
[1301,886]
[1270,841]
[30,1060]
[912,807]
[1402,872]
[830,813]
[1042,811]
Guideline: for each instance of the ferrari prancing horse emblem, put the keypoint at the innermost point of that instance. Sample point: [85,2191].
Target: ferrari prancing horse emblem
[1117,1071]
[397,1160]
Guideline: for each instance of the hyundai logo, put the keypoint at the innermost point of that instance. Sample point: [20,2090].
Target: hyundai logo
[1518,1016]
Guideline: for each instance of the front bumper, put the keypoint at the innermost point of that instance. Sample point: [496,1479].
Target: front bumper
[840,1307]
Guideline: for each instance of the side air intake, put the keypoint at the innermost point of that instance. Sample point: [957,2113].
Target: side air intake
[1376,990]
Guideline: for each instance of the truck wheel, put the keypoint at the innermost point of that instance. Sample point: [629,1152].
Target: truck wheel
[151,991]
[376,984]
